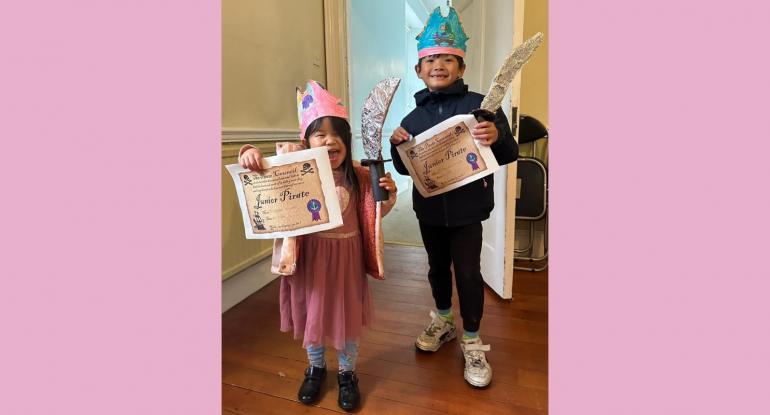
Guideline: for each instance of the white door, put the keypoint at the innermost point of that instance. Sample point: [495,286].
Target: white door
[493,247]
[490,27]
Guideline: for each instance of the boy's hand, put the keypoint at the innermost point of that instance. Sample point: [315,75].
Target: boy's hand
[251,159]
[399,136]
[485,132]
[388,184]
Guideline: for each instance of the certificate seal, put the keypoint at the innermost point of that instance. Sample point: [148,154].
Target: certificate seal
[314,206]
[471,158]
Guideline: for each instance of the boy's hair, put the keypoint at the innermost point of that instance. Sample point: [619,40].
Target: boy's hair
[460,60]
[342,128]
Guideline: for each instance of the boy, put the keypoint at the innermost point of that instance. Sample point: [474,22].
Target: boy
[450,223]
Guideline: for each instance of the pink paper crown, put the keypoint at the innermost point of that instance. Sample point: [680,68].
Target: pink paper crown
[316,102]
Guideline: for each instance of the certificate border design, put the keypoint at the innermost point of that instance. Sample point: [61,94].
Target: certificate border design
[321,157]
[484,152]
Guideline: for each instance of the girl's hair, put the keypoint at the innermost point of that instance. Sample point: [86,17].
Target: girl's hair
[342,128]
[460,61]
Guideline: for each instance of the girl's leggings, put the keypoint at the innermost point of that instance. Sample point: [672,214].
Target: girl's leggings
[346,358]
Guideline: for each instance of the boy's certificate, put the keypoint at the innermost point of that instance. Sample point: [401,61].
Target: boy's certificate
[294,195]
[446,157]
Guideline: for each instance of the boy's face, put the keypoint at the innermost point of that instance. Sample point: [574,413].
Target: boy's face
[439,71]
[326,136]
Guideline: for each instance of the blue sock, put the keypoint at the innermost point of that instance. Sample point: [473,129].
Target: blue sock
[446,314]
[467,335]
[347,358]
[315,354]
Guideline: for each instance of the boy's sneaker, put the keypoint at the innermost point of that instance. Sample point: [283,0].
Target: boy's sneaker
[477,370]
[439,331]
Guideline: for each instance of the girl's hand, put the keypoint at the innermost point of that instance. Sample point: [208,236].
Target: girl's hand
[388,184]
[485,132]
[399,136]
[251,159]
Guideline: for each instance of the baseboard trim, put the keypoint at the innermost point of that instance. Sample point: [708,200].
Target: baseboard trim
[252,260]
[403,244]
[522,239]
[241,285]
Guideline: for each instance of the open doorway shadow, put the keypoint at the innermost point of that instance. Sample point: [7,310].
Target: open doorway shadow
[401,226]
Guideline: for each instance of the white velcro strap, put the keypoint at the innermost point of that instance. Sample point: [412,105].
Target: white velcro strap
[472,347]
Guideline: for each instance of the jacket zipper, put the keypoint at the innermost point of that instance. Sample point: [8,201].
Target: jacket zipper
[443,197]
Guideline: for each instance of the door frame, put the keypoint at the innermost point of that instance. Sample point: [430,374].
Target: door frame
[336,42]
[511,180]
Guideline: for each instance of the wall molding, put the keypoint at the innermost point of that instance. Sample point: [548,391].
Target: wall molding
[233,135]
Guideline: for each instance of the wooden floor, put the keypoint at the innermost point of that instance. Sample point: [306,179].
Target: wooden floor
[262,368]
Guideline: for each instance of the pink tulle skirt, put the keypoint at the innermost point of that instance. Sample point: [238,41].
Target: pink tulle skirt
[328,297]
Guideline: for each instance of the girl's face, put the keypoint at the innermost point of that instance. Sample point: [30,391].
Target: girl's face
[326,136]
[439,71]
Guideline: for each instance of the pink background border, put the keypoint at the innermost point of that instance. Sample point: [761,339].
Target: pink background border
[658,280]
[110,301]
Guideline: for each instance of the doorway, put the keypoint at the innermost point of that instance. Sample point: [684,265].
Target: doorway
[381,44]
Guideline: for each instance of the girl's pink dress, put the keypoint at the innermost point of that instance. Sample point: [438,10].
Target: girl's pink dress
[328,296]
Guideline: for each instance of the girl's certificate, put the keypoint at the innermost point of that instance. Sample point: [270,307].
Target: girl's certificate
[294,195]
[446,157]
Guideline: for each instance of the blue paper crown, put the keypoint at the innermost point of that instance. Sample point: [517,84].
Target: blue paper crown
[442,35]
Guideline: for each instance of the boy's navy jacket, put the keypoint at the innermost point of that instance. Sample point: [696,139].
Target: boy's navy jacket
[473,202]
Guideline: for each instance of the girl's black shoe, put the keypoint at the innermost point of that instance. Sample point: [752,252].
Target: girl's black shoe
[311,386]
[350,397]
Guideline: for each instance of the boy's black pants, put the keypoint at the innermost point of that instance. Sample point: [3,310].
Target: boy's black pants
[460,245]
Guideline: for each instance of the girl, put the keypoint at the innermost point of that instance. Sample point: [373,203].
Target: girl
[327,297]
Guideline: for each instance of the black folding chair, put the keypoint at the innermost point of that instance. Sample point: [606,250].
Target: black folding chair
[532,194]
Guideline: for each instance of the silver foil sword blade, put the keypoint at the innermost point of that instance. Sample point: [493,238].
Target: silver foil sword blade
[373,115]
[508,70]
